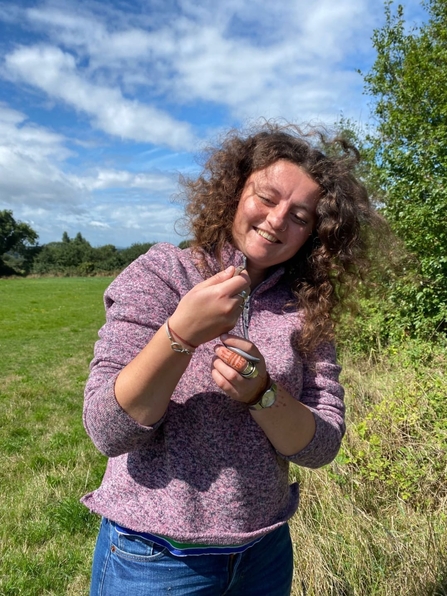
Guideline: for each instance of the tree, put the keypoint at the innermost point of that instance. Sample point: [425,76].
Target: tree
[408,83]
[65,257]
[79,239]
[134,251]
[15,237]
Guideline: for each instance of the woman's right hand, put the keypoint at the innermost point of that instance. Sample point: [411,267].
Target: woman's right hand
[211,308]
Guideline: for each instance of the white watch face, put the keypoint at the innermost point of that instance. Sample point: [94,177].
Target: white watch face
[269,397]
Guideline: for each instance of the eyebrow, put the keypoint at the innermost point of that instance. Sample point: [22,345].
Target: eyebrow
[266,186]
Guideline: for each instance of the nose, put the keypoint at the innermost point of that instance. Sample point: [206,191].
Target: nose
[277,218]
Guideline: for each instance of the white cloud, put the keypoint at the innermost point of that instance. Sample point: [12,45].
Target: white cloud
[55,72]
[103,221]
[155,182]
[100,224]
[29,172]
[105,205]
[256,59]
[150,216]
[202,54]
[297,71]
[17,134]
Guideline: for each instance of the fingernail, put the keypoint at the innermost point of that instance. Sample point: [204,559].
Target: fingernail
[224,336]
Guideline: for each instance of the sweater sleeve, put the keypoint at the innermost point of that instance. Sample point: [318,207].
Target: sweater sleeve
[324,395]
[137,304]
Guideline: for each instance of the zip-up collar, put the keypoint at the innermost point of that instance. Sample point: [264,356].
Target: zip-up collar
[265,285]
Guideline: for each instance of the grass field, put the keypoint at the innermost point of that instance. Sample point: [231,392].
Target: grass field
[374,523]
[48,327]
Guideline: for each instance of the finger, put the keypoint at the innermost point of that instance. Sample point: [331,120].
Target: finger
[224,384]
[234,360]
[243,390]
[218,278]
[232,284]
[231,375]
[237,285]
[246,349]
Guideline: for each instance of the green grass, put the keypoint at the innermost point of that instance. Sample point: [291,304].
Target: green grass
[373,523]
[48,328]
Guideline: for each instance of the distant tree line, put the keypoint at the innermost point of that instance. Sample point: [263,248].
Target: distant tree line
[21,255]
[76,256]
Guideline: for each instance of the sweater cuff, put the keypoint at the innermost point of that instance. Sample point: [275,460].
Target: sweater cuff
[321,450]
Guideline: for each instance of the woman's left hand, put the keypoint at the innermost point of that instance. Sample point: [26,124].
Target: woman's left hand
[228,365]
[289,424]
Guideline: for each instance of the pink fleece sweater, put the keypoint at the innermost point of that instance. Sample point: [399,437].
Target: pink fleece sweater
[206,473]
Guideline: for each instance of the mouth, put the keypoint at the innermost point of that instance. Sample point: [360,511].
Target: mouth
[267,236]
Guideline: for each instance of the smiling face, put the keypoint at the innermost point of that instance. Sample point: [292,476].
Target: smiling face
[275,216]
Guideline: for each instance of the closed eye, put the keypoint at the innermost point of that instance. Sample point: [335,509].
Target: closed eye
[297,219]
[272,203]
[266,200]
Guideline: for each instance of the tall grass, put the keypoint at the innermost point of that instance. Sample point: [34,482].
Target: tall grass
[375,521]
[372,523]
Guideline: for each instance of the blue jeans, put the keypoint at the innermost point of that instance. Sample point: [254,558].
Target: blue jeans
[125,565]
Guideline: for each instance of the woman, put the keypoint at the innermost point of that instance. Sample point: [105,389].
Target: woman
[216,368]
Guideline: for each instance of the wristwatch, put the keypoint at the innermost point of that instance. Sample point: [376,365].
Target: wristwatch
[266,400]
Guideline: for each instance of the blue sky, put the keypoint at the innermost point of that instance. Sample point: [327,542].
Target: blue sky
[103,104]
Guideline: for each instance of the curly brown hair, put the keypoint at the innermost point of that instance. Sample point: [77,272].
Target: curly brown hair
[335,256]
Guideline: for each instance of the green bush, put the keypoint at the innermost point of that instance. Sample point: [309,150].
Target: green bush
[396,447]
